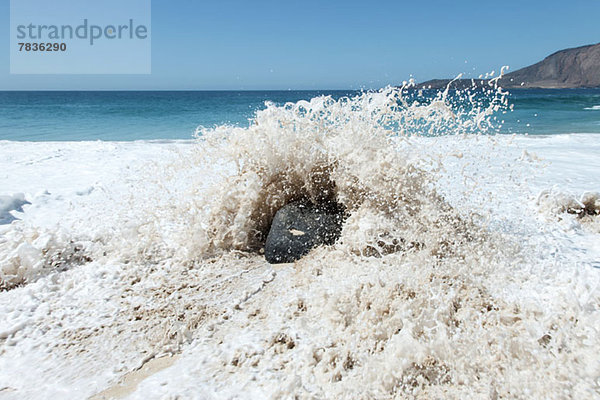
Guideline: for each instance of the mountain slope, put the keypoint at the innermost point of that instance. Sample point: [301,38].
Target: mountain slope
[570,68]
[577,67]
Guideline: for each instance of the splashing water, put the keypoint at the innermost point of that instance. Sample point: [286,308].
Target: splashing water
[436,288]
[355,150]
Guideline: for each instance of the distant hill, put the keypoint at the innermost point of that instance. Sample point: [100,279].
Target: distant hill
[571,68]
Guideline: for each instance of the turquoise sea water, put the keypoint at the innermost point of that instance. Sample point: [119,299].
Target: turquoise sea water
[58,116]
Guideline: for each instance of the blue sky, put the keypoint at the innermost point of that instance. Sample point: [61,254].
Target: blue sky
[332,44]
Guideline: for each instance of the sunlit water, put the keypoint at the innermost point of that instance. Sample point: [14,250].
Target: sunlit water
[47,116]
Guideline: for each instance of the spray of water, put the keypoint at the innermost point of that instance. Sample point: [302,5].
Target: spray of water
[420,297]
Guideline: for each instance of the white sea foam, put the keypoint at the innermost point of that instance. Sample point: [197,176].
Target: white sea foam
[585,209]
[449,280]
[8,204]
[596,108]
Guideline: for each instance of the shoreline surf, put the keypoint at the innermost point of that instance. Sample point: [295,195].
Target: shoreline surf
[151,248]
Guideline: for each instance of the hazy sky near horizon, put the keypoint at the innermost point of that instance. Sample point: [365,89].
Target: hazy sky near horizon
[318,44]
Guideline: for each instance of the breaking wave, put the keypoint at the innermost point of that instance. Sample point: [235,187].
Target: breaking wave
[425,294]
[356,151]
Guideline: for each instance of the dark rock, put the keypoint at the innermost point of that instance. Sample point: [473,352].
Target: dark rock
[298,227]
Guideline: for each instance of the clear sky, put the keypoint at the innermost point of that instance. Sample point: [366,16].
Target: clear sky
[320,44]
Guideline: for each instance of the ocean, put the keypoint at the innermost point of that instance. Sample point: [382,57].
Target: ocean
[123,116]
[132,230]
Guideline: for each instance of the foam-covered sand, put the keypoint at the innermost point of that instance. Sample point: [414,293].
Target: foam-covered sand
[460,272]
